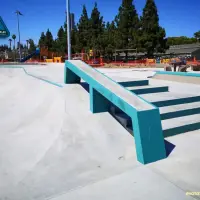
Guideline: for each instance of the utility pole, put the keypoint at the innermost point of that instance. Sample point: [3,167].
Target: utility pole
[68,30]
[19,13]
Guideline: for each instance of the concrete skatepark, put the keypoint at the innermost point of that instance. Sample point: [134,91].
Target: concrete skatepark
[53,147]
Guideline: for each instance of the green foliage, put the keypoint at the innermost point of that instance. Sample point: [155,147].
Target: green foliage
[127,25]
[127,31]
[10,43]
[59,44]
[4,47]
[83,31]
[180,40]
[197,35]
[109,39]
[49,40]
[14,38]
[32,46]
[96,29]
[42,39]
[153,36]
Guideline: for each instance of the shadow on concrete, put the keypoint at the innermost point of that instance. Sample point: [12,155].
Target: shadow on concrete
[169,147]
[85,86]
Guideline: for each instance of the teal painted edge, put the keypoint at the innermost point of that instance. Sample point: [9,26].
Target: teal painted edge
[124,87]
[102,90]
[117,84]
[39,78]
[150,147]
[177,73]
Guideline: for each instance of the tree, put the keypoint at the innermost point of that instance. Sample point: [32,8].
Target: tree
[42,39]
[27,42]
[61,33]
[10,43]
[197,36]
[32,46]
[59,44]
[96,29]
[21,46]
[61,40]
[4,47]
[83,36]
[153,36]
[127,26]
[49,40]
[110,39]
[180,40]
[75,41]
[14,38]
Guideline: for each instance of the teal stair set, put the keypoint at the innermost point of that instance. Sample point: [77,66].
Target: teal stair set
[150,113]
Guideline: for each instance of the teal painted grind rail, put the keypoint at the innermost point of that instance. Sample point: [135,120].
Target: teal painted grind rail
[148,134]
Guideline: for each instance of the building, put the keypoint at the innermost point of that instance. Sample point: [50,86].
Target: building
[185,50]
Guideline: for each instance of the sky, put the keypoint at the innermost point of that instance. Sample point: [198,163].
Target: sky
[178,17]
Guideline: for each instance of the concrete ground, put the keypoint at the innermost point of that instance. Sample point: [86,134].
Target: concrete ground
[53,147]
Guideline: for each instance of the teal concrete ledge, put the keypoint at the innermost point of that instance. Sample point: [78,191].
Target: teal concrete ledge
[29,74]
[178,73]
[150,90]
[134,83]
[149,140]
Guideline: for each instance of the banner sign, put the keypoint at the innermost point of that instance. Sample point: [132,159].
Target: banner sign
[4,32]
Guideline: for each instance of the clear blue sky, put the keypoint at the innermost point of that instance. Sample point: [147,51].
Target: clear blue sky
[178,17]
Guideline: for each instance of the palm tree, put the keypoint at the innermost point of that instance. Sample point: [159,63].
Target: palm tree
[14,38]
[27,42]
[10,41]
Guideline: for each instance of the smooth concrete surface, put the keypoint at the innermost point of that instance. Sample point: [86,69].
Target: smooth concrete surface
[182,79]
[180,121]
[180,107]
[53,147]
[166,96]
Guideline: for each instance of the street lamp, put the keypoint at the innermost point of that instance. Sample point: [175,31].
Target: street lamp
[19,13]
[68,30]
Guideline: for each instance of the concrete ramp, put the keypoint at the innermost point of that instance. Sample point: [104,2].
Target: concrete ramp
[182,77]
[104,92]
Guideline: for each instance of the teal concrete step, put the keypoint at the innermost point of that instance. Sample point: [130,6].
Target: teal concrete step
[170,98]
[181,125]
[176,119]
[148,89]
[134,83]
[170,112]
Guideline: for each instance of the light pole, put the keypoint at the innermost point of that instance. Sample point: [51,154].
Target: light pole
[68,30]
[19,13]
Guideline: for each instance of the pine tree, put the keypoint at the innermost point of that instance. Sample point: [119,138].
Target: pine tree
[61,33]
[110,39]
[96,30]
[49,40]
[74,40]
[127,26]
[42,39]
[153,36]
[197,36]
[60,43]
[83,30]
[32,46]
